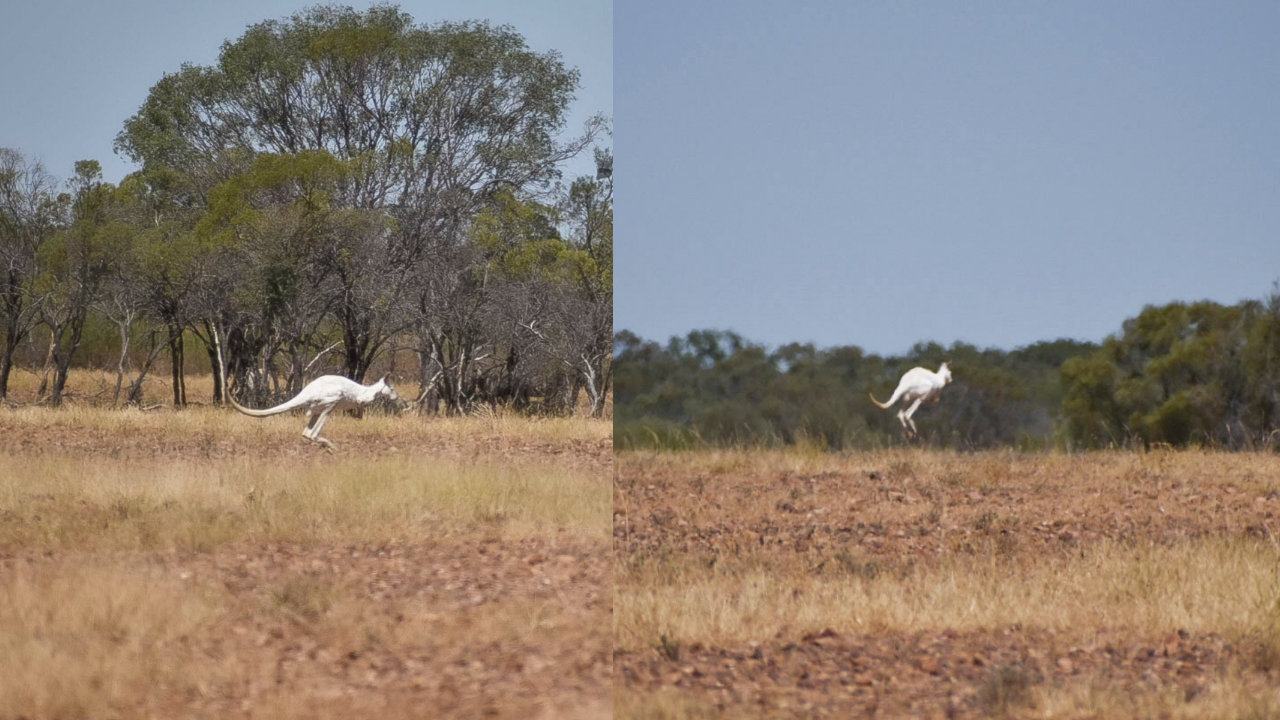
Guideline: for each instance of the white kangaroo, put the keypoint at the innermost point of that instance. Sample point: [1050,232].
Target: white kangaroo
[321,397]
[918,385]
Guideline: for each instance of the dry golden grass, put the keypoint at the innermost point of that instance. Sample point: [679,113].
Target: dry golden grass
[94,388]
[81,637]
[86,386]
[127,636]
[725,550]
[193,479]
[199,505]
[1216,586]
[663,704]
[1230,697]
[200,563]
[219,424]
[1110,470]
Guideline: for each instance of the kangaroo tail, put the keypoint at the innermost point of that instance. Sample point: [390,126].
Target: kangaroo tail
[285,407]
[884,405]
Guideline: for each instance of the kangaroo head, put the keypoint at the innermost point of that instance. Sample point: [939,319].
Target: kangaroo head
[385,390]
[945,373]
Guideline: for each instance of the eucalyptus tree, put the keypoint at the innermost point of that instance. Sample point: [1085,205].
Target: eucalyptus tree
[516,247]
[272,236]
[29,216]
[552,265]
[1181,373]
[123,301]
[1261,360]
[588,322]
[431,121]
[75,265]
[572,320]
[165,259]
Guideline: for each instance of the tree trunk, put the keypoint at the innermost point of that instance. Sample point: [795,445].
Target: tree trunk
[296,369]
[182,368]
[179,375]
[135,387]
[219,396]
[48,363]
[606,386]
[12,301]
[219,365]
[428,375]
[124,351]
[173,366]
[63,359]
[6,364]
[354,344]
[11,340]
[59,384]
[575,393]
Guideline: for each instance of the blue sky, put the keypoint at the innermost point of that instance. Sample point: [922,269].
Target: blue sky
[74,71]
[878,174]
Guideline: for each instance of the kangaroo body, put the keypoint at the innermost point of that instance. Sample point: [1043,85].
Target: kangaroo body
[917,386]
[321,397]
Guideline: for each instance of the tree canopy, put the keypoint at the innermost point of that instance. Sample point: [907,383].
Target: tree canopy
[343,185]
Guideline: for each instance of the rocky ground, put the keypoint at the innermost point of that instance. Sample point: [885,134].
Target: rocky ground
[475,622]
[895,515]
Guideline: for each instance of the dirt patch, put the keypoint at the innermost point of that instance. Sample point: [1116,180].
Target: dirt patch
[467,628]
[838,524]
[896,515]
[116,437]
[947,674]
[431,567]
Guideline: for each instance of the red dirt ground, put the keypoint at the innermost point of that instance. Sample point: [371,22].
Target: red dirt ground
[475,610]
[892,515]
[460,670]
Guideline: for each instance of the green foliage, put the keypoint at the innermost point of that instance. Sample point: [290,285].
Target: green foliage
[76,259]
[1182,373]
[520,239]
[522,242]
[407,98]
[335,160]
[717,388]
[1198,373]
[341,180]
[302,185]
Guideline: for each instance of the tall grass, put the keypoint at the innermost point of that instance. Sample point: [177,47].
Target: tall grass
[60,503]
[87,387]
[197,562]
[1231,587]
[697,563]
[219,424]
[83,638]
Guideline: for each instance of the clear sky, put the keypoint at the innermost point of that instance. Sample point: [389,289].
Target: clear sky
[72,71]
[882,173]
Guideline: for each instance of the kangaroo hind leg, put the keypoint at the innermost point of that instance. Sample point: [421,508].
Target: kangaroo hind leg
[321,419]
[911,411]
[312,419]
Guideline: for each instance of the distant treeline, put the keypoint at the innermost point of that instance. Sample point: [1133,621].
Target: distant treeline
[1199,373]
